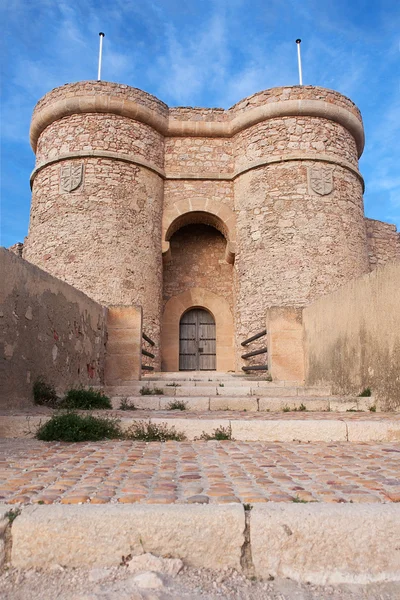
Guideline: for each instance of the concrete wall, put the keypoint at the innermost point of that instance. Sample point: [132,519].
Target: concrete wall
[352,337]
[47,329]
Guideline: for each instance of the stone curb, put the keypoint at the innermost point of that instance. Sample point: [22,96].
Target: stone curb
[317,543]
[327,544]
[250,430]
[76,536]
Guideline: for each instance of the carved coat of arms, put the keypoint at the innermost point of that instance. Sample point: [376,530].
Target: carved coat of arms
[71,177]
[320,180]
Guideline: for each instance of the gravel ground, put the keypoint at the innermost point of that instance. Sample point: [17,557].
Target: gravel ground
[119,584]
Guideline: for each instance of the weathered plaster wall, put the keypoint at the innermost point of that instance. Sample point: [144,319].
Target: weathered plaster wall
[352,337]
[48,329]
[198,260]
[383,242]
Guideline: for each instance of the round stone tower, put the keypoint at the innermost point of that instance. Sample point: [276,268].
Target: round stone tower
[97,193]
[298,199]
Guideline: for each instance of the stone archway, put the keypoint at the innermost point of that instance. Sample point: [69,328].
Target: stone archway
[218,307]
[208,212]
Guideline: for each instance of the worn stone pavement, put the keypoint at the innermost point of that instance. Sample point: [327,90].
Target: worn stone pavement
[175,472]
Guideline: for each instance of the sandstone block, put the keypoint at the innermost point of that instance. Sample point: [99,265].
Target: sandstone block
[288,430]
[326,543]
[249,404]
[208,536]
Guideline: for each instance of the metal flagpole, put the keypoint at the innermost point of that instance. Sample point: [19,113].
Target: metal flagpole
[101,34]
[298,42]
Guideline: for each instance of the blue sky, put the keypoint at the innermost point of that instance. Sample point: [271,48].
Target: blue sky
[203,53]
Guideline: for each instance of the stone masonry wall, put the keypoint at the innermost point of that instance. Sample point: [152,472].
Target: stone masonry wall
[48,329]
[105,237]
[294,245]
[383,242]
[198,260]
[352,337]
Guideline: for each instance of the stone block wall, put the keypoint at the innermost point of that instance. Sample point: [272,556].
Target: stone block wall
[352,337]
[48,329]
[383,242]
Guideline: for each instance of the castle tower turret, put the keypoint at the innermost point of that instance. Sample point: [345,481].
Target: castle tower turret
[97,193]
[298,199]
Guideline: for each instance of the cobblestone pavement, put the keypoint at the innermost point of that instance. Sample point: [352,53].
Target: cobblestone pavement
[221,472]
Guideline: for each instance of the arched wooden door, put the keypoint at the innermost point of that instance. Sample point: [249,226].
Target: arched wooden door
[197,342]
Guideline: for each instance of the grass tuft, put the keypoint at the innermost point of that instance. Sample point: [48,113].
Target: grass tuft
[126,405]
[177,405]
[44,393]
[366,393]
[81,399]
[221,433]
[150,432]
[146,391]
[72,427]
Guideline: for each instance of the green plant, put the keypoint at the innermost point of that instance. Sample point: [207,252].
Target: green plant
[286,408]
[372,408]
[173,384]
[150,432]
[126,405]
[73,427]
[177,405]
[221,433]
[366,393]
[12,514]
[145,391]
[44,393]
[81,399]
[302,408]
[221,385]
[298,500]
[247,506]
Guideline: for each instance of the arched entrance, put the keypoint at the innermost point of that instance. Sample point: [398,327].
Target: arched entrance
[197,341]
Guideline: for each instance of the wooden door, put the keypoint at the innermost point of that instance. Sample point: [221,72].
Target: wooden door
[197,343]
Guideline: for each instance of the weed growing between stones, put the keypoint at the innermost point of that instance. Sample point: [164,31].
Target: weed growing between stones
[145,391]
[72,427]
[286,409]
[366,393]
[298,500]
[126,405]
[150,432]
[81,399]
[173,384]
[44,393]
[12,514]
[221,433]
[177,405]
[372,408]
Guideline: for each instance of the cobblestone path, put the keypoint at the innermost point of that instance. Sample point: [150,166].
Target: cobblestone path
[174,472]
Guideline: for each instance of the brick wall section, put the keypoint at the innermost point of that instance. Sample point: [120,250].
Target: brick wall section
[296,92]
[198,260]
[294,246]
[101,132]
[288,135]
[49,329]
[383,242]
[198,156]
[99,88]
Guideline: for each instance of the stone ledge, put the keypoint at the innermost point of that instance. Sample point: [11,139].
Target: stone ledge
[326,544]
[77,536]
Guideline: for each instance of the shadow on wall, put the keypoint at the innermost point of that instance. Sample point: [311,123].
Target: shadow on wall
[352,337]
[50,330]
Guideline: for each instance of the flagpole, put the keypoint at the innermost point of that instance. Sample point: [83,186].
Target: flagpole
[298,42]
[101,34]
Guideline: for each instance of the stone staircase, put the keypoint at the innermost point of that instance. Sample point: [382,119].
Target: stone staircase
[208,391]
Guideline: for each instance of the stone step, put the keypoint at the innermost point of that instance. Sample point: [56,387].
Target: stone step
[246,426]
[186,390]
[251,404]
